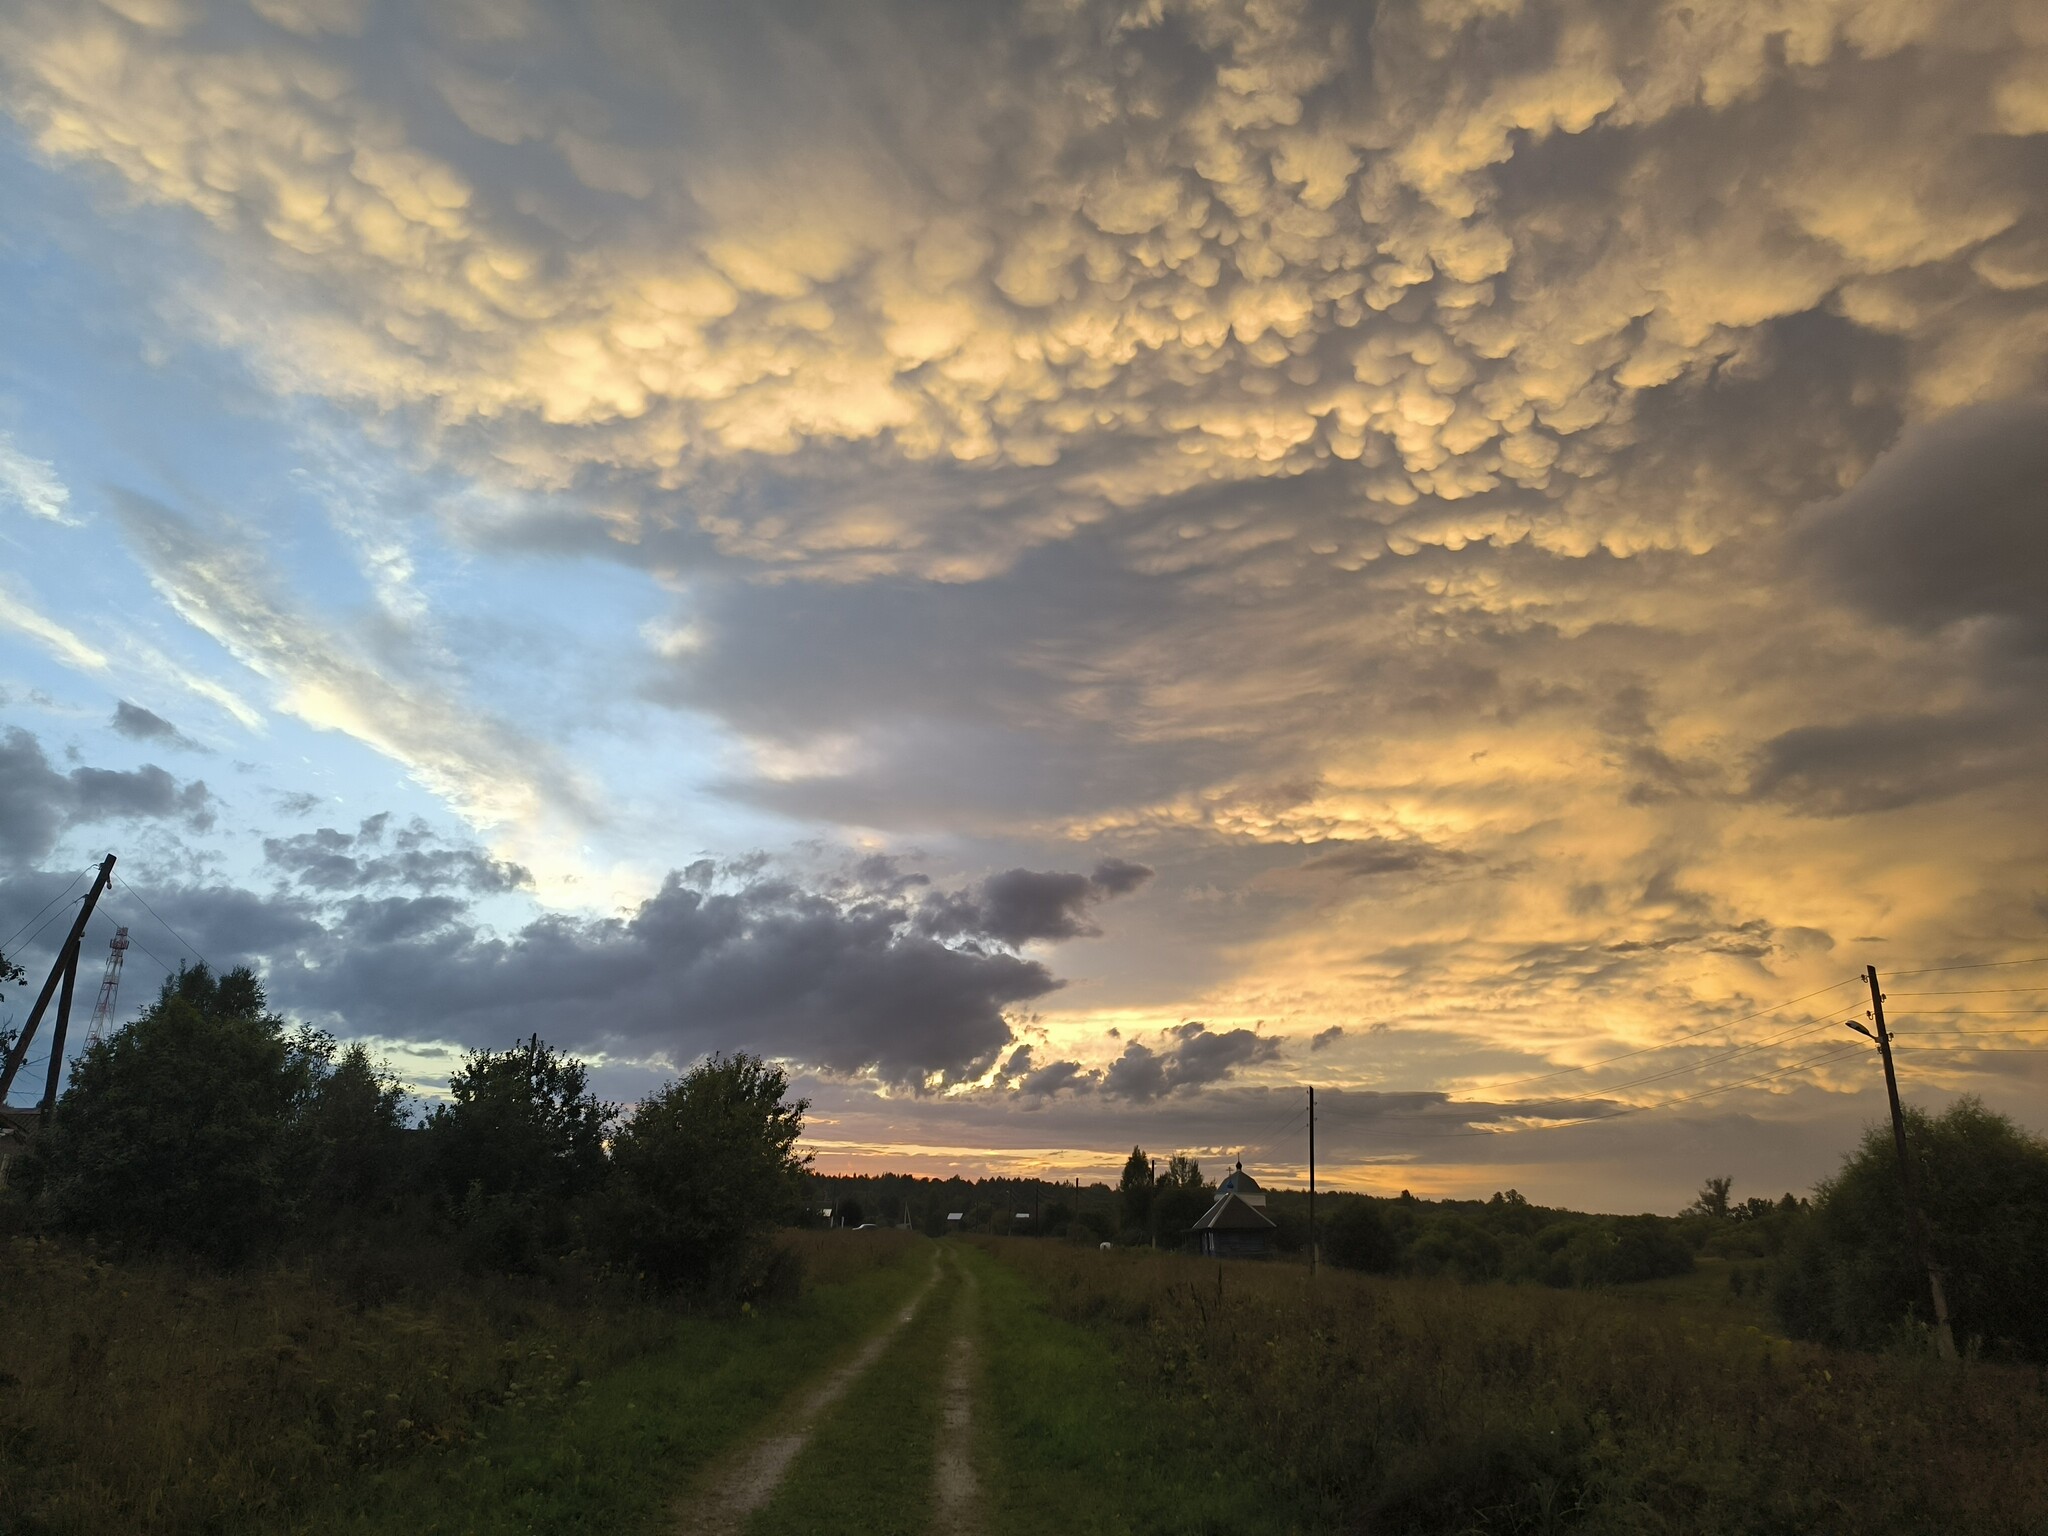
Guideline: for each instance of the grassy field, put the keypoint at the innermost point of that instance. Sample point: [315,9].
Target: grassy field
[149,1397]
[1414,1406]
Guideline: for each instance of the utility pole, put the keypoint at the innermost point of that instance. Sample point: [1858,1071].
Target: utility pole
[1916,1227]
[63,1028]
[1311,1181]
[64,971]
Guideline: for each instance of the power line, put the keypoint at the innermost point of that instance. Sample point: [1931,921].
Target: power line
[1976,1013]
[167,928]
[1541,1077]
[1975,965]
[50,919]
[49,904]
[1969,991]
[167,970]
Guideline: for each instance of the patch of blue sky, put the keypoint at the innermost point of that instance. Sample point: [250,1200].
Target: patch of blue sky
[351,521]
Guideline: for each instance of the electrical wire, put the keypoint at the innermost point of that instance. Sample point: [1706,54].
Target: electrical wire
[1666,1045]
[138,944]
[49,904]
[1975,965]
[1969,991]
[191,948]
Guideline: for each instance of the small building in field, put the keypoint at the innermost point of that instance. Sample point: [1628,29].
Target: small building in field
[1235,1227]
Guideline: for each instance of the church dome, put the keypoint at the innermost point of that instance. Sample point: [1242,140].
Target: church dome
[1238,1182]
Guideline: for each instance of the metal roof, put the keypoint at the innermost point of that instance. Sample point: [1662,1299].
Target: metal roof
[1231,1214]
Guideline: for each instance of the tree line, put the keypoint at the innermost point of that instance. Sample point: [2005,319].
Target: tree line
[213,1126]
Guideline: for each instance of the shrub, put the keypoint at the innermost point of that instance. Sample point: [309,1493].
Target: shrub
[1849,1274]
[521,1122]
[187,1127]
[1357,1238]
[702,1169]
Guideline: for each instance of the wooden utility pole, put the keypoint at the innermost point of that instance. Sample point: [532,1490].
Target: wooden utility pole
[63,1028]
[1311,1181]
[65,971]
[1916,1226]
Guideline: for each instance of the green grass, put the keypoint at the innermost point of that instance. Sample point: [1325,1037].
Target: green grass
[868,1468]
[1425,1407]
[615,1458]
[1072,1446]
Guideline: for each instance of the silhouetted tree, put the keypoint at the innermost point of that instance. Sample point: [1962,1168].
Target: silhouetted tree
[1712,1199]
[1849,1274]
[1134,1189]
[183,1127]
[521,1122]
[704,1167]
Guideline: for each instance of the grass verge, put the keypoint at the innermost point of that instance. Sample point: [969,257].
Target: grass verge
[1072,1446]
[150,1395]
[1407,1406]
[614,1458]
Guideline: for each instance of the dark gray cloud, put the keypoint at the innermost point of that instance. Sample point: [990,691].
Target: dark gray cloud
[1324,1038]
[299,804]
[841,980]
[139,724]
[1194,1058]
[1364,857]
[1951,524]
[327,859]
[845,985]
[1019,906]
[1883,763]
[37,803]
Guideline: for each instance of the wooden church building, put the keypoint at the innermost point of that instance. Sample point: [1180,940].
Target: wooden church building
[1236,1226]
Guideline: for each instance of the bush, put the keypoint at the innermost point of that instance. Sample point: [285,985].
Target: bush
[701,1170]
[193,1126]
[1849,1274]
[521,1122]
[1357,1238]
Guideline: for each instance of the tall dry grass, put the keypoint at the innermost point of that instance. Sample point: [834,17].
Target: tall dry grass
[152,1396]
[1407,1405]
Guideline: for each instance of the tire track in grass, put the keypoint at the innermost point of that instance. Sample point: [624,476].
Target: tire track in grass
[956,1491]
[745,1483]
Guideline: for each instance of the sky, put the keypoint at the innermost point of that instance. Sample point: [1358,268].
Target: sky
[1066,570]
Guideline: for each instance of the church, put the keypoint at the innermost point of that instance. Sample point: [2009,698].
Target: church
[1236,1226]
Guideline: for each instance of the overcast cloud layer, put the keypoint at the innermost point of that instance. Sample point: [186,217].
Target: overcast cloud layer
[1210,544]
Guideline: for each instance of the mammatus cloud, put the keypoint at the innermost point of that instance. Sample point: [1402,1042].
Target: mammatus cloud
[1314,243]
[38,803]
[1521,515]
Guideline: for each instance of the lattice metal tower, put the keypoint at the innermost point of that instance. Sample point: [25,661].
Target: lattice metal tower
[117,950]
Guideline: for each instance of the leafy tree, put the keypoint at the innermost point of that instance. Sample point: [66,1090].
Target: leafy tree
[1134,1189]
[849,1213]
[10,973]
[1712,1199]
[521,1122]
[180,1128]
[1357,1238]
[1180,1198]
[705,1166]
[351,1133]
[1850,1275]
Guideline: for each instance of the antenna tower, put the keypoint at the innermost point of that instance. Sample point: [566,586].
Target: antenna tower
[117,949]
